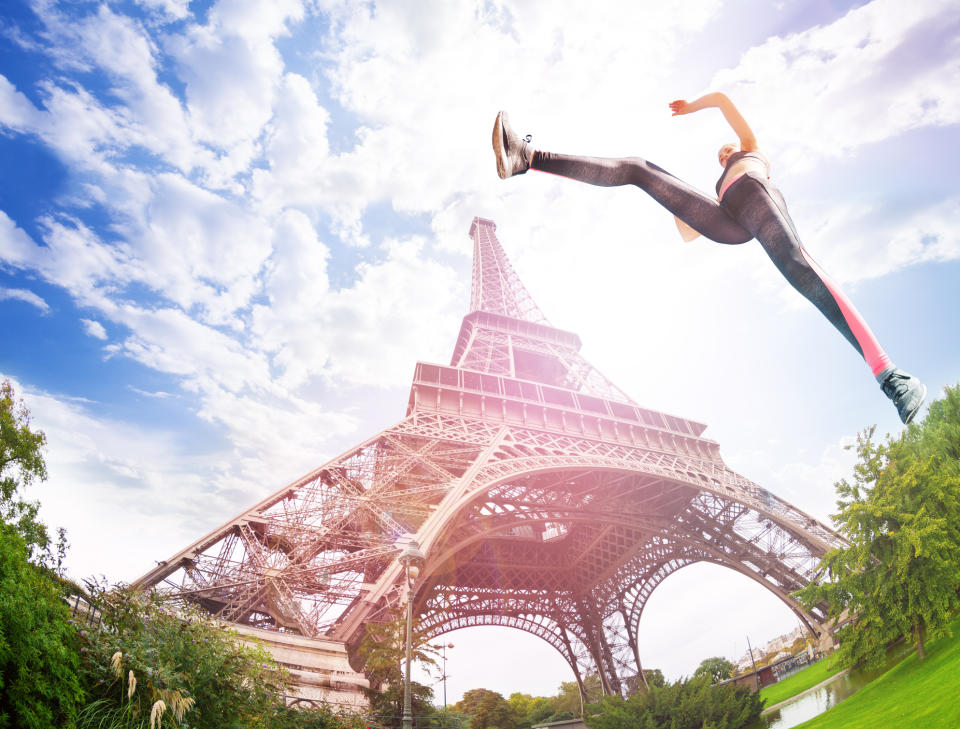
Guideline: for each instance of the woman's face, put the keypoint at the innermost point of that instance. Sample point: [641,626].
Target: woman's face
[724,154]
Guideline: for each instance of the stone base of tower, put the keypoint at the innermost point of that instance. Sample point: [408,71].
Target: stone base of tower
[319,668]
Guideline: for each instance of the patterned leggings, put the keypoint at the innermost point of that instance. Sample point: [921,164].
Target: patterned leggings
[751,208]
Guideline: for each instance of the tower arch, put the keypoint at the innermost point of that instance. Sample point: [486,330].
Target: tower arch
[549,549]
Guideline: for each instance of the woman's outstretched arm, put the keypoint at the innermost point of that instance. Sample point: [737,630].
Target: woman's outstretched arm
[748,141]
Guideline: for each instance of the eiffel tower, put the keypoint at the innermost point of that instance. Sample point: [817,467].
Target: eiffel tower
[543,497]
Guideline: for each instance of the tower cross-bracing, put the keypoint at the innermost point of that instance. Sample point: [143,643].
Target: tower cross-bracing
[543,497]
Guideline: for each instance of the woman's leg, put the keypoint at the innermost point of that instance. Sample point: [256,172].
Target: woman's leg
[761,209]
[515,156]
[697,210]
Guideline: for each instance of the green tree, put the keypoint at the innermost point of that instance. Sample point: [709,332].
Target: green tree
[447,718]
[39,685]
[486,709]
[383,654]
[901,514]
[717,668]
[21,463]
[520,703]
[530,710]
[568,695]
[654,677]
[383,650]
[386,703]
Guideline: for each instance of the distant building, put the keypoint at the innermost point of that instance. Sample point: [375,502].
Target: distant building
[778,646]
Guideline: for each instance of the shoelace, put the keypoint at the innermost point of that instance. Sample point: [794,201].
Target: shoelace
[892,388]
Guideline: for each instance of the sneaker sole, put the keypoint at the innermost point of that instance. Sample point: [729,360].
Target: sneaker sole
[912,413]
[498,146]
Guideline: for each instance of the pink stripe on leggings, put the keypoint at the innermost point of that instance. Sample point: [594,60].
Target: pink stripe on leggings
[877,359]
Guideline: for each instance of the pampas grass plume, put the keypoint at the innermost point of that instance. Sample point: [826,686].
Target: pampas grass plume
[156,713]
[131,685]
[183,705]
[177,703]
[115,664]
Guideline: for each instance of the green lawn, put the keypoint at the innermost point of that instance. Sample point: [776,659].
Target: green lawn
[925,695]
[798,682]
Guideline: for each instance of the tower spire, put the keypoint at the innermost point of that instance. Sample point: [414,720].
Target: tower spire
[496,287]
[505,332]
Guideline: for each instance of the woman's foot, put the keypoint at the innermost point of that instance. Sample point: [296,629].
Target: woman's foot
[512,151]
[906,391]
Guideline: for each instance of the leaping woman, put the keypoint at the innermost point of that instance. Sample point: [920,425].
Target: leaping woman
[748,206]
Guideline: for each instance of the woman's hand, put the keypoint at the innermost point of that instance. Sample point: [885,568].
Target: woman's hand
[748,142]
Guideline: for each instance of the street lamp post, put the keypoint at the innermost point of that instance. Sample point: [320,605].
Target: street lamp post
[411,558]
[756,675]
[444,647]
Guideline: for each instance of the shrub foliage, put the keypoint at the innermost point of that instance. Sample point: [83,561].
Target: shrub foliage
[39,687]
[142,652]
[688,704]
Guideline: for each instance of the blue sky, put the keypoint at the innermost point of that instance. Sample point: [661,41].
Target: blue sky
[229,229]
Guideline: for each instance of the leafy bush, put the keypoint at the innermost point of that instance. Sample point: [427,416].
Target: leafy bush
[319,717]
[690,704]
[39,687]
[142,653]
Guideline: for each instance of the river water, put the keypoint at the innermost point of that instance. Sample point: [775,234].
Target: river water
[807,706]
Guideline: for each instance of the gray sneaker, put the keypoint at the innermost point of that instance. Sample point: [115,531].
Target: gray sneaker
[512,151]
[906,391]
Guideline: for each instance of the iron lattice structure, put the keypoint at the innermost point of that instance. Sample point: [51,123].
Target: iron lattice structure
[544,498]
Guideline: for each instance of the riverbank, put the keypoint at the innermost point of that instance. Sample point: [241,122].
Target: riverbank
[911,695]
[794,697]
[802,681]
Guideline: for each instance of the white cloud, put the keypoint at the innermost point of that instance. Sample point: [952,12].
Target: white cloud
[881,70]
[400,309]
[876,242]
[81,130]
[75,258]
[128,493]
[171,9]
[172,342]
[16,247]
[805,479]
[231,69]
[122,491]
[160,395]
[16,111]
[198,248]
[26,296]
[94,329]
[426,83]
